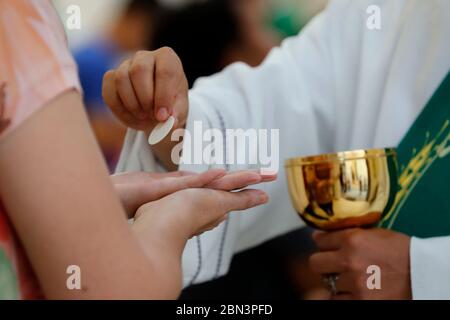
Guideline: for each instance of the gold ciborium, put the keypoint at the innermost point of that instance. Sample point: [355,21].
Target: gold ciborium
[345,189]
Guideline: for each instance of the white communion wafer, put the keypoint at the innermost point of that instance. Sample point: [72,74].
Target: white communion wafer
[161,131]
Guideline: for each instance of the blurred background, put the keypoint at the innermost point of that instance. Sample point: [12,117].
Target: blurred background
[207,35]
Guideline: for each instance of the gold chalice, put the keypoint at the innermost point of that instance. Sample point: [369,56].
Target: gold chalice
[345,189]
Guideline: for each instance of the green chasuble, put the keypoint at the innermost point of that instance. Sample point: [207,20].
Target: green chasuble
[422,204]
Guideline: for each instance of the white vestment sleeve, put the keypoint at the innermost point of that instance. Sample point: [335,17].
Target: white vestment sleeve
[430,268]
[136,154]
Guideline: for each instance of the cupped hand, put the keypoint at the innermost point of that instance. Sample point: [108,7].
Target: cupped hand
[190,212]
[138,188]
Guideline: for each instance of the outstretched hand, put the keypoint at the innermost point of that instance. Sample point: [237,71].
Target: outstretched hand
[138,188]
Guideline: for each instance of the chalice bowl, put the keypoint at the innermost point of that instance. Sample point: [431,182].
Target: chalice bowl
[352,189]
[343,190]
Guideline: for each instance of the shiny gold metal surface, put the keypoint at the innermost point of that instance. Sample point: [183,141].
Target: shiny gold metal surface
[344,189]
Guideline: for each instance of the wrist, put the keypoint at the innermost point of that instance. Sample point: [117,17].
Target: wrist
[164,252]
[163,152]
[160,227]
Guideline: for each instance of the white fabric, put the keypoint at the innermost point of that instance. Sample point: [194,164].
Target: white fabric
[430,268]
[337,86]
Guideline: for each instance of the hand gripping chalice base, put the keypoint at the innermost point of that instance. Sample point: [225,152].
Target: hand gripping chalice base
[353,189]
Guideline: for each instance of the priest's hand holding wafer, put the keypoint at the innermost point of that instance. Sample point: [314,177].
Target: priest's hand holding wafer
[148,90]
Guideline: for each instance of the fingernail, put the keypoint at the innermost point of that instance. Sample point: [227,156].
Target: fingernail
[163,114]
[266,172]
[263,197]
[269,176]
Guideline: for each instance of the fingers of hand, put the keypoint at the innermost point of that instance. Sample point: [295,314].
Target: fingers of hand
[336,239]
[210,176]
[327,262]
[161,175]
[169,84]
[141,73]
[126,91]
[150,86]
[242,200]
[268,177]
[169,185]
[199,180]
[113,100]
[235,180]
[351,283]
[215,206]
[351,275]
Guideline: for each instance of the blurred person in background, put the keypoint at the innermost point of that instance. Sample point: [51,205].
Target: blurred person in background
[131,31]
[210,35]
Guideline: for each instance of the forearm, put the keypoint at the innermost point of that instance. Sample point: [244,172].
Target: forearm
[163,228]
[66,212]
